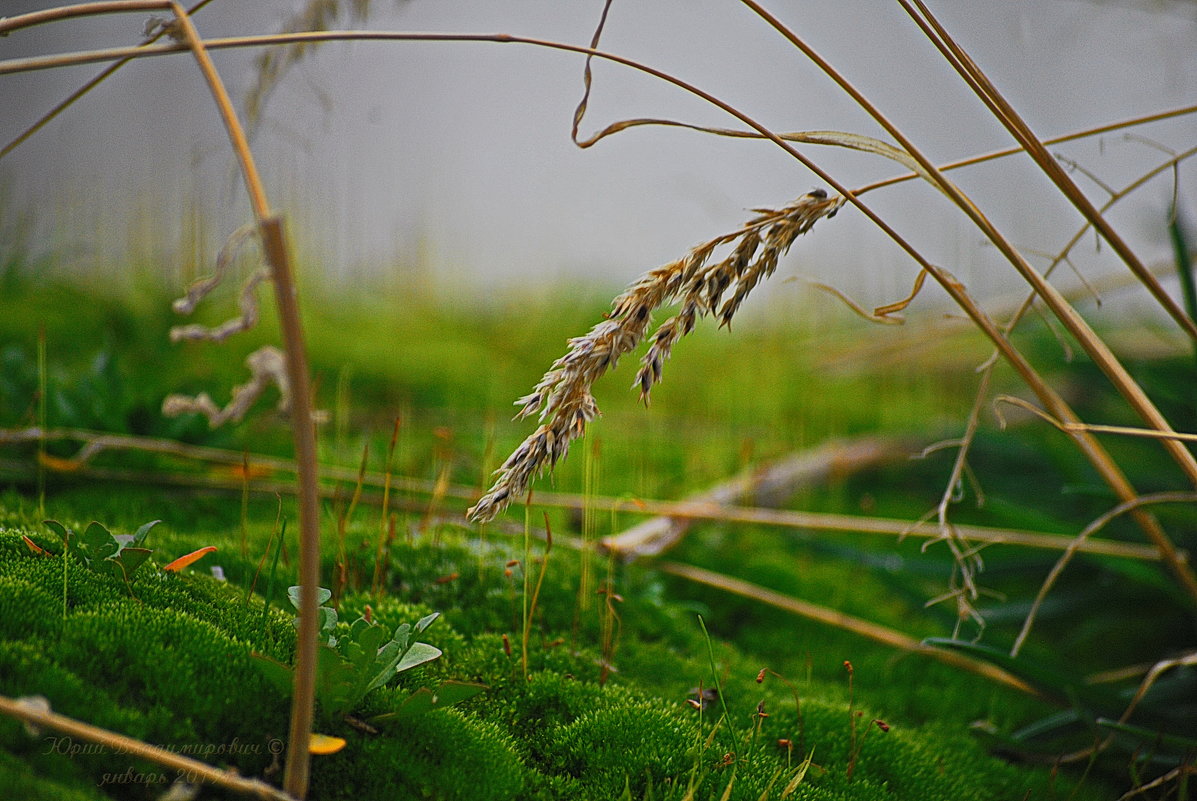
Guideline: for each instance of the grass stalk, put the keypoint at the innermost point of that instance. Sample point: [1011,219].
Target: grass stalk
[525,595]
[268,596]
[1088,531]
[42,405]
[384,529]
[1184,264]
[731,724]
[342,577]
[1084,133]
[244,504]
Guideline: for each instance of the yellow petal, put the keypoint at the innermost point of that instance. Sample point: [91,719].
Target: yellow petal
[324,744]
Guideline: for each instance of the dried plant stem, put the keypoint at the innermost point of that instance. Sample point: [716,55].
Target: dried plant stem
[119,743]
[1093,428]
[1054,140]
[1089,530]
[1076,325]
[980,84]
[833,617]
[81,10]
[83,90]
[1093,344]
[674,510]
[303,432]
[303,429]
[964,444]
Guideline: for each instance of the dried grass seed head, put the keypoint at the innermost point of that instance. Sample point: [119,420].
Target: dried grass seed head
[562,399]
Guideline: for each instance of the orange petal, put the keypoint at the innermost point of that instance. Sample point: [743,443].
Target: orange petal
[324,744]
[33,546]
[58,464]
[187,559]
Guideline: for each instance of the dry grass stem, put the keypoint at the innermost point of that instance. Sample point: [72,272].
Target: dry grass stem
[1054,140]
[1092,428]
[263,470]
[563,400]
[1005,113]
[764,485]
[36,714]
[1077,326]
[63,105]
[834,617]
[1089,530]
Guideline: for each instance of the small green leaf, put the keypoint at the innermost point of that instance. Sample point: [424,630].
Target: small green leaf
[426,699]
[62,531]
[131,558]
[322,596]
[402,635]
[142,532]
[427,621]
[109,567]
[276,673]
[326,618]
[97,542]
[418,654]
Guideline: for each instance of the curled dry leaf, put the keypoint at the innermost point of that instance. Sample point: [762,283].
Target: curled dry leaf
[268,366]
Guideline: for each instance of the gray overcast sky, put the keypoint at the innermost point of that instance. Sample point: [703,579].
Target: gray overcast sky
[459,154]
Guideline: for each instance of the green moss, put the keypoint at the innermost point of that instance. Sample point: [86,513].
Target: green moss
[438,755]
[609,748]
[20,780]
